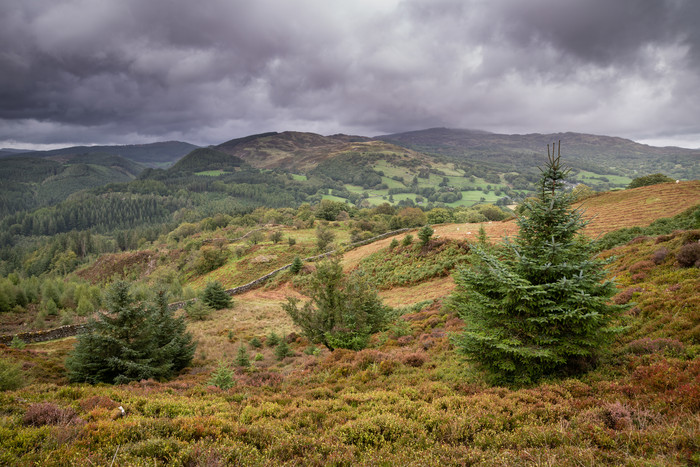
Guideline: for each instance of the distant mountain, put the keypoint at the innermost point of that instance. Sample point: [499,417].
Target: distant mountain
[153,154]
[589,152]
[9,152]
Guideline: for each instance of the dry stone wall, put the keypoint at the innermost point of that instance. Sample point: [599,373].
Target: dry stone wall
[72,330]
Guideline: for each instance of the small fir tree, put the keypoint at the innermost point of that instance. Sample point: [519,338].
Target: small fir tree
[132,342]
[272,339]
[222,377]
[282,350]
[242,358]
[482,238]
[296,266]
[425,234]
[215,296]
[255,343]
[541,307]
[17,343]
[343,311]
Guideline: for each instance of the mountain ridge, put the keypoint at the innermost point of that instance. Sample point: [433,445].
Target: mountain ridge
[153,154]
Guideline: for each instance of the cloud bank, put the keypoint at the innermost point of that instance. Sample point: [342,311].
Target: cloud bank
[125,71]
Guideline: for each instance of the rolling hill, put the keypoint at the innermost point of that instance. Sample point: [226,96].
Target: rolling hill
[297,151]
[32,182]
[160,154]
[206,159]
[597,153]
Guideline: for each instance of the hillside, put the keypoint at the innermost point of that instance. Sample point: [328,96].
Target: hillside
[409,399]
[603,155]
[297,151]
[151,154]
[32,182]
[206,160]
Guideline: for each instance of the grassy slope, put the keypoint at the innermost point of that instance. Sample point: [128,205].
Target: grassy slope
[409,400]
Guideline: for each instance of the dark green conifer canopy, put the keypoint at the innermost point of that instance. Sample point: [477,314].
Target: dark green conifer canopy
[537,306]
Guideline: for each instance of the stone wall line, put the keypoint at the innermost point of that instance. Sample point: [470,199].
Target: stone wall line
[73,329]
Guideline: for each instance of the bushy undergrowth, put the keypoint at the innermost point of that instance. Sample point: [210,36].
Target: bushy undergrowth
[410,264]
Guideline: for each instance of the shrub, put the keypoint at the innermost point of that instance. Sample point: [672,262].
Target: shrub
[222,377]
[659,255]
[48,413]
[198,310]
[415,359]
[11,376]
[263,378]
[210,258]
[394,243]
[689,255]
[93,402]
[407,240]
[324,238]
[255,237]
[650,180]
[276,237]
[292,241]
[626,295]
[647,345]
[215,296]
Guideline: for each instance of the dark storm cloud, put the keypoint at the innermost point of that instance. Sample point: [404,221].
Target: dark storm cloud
[128,70]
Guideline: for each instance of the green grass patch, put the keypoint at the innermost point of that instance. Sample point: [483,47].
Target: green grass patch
[211,173]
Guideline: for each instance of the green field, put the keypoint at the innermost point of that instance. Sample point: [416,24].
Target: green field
[211,173]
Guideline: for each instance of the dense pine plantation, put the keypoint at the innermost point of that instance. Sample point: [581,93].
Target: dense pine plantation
[258,391]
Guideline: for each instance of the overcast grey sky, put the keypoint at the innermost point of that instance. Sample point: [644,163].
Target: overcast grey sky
[136,71]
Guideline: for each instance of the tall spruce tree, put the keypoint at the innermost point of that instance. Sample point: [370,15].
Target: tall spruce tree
[541,306]
[132,342]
